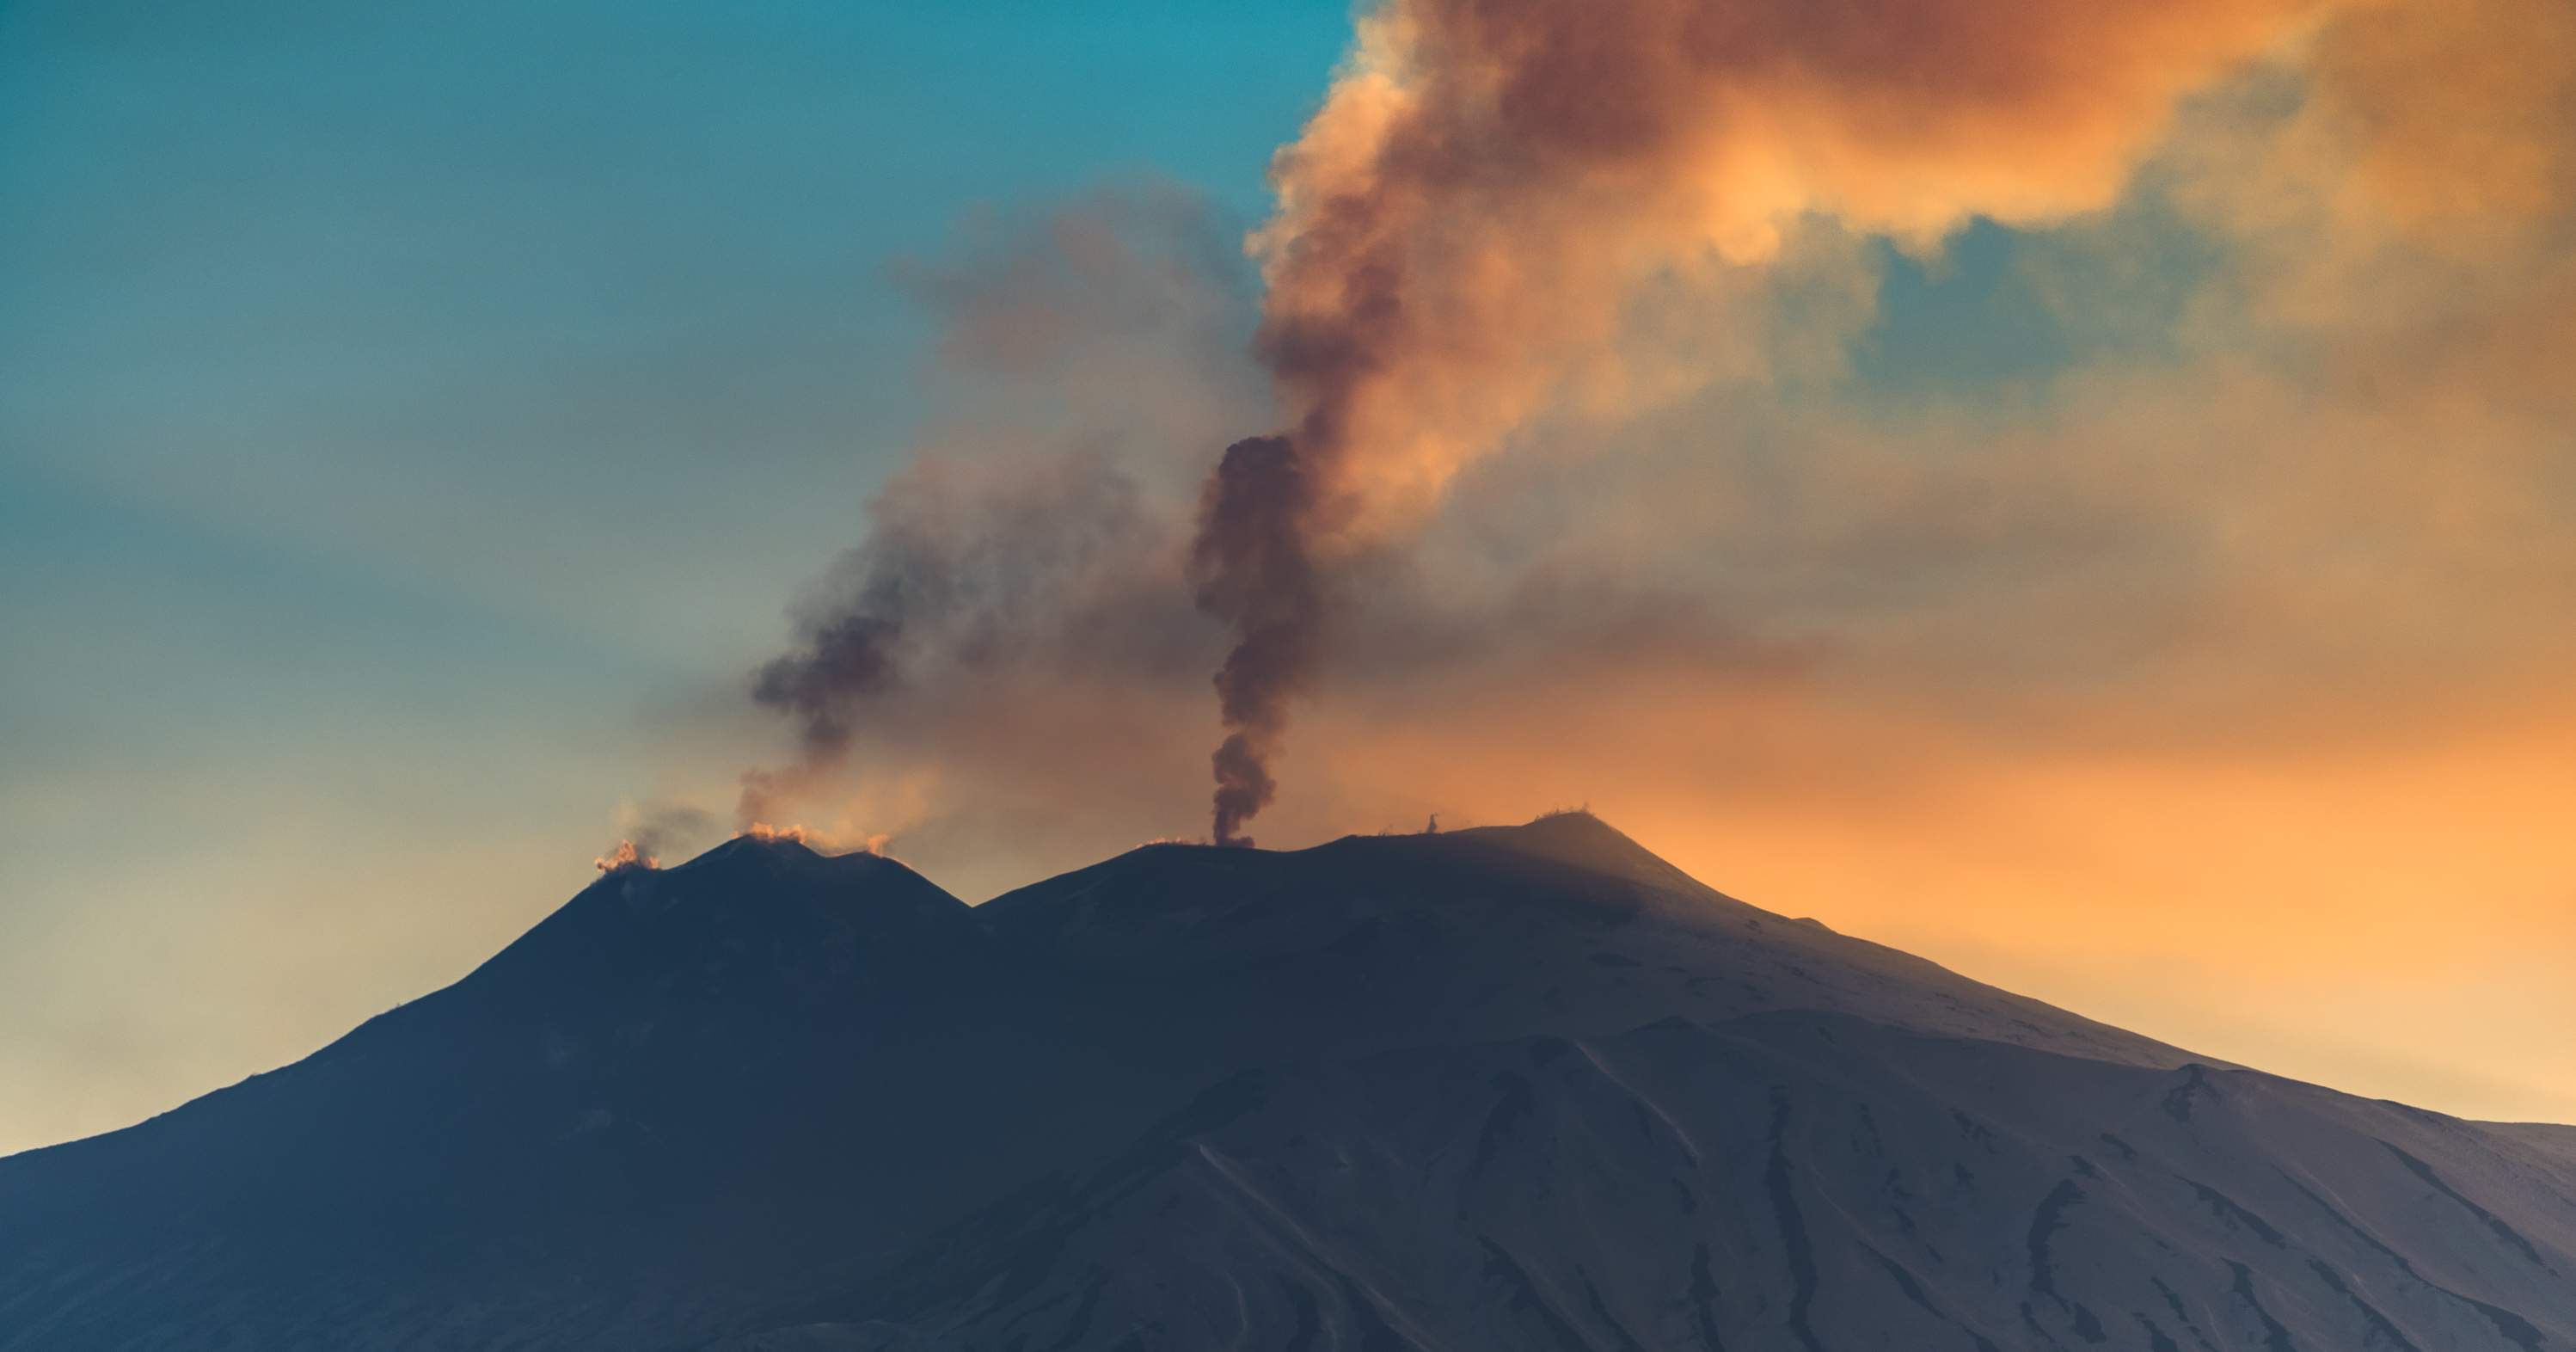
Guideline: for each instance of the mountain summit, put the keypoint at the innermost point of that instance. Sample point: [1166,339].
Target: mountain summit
[1497,1089]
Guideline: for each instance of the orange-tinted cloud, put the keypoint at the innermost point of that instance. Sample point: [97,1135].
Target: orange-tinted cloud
[2456,114]
[1463,225]
[1489,184]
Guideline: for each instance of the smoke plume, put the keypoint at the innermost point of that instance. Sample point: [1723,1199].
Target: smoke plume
[1085,354]
[965,567]
[627,856]
[656,831]
[1463,224]
[1258,574]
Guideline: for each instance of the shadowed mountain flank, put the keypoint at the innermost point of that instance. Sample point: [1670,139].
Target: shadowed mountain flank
[1511,1088]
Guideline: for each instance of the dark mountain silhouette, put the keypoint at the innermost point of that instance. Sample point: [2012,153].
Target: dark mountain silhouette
[1525,1088]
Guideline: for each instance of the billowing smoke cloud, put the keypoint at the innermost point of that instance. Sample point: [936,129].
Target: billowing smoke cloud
[1656,280]
[1463,224]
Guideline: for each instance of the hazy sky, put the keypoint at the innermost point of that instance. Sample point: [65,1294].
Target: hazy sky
[2128,560]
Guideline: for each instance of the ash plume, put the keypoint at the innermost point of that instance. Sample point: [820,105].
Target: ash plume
[1035,541]
[1460,228]
[844,659]
[962,569]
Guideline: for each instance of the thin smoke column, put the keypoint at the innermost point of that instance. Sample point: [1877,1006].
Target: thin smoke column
[1257,573]
[1462,224]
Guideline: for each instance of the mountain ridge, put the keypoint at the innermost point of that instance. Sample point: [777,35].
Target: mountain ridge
[1561,860]
[1485,1089]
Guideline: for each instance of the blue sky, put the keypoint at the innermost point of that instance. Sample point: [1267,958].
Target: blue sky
[448,295]
[404,400]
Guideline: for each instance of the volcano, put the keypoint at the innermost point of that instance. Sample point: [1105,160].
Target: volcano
[1512,1088]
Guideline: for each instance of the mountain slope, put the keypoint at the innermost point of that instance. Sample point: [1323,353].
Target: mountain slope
[1780,1181]
[1521,1088]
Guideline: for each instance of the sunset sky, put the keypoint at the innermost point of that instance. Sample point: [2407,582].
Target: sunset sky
[2086,495]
